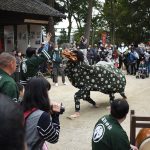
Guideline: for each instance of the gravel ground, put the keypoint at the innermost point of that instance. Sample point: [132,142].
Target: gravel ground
[76,134]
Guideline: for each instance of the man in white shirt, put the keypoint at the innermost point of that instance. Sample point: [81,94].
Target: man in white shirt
[123,53]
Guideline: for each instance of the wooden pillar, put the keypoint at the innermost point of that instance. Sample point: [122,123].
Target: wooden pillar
[28,31]
[15,37]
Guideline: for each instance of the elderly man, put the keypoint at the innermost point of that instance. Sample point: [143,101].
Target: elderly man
[7,68]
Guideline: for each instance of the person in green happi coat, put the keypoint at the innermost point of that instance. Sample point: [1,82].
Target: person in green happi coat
[30,65]
[7,68]
[108,134]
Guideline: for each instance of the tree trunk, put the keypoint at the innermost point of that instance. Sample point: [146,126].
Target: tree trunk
[88,21]
[69,27]
[51,28]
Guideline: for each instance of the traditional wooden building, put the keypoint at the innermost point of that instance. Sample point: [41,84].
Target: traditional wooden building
[21,21]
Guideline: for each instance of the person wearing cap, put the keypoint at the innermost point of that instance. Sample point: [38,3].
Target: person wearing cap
[108,133]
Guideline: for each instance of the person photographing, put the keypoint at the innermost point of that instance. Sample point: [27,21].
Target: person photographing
[41,116]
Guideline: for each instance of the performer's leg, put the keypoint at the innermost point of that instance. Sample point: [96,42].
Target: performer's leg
[123,95]
[77,105]
[86,97]
[78,95]
[112,97]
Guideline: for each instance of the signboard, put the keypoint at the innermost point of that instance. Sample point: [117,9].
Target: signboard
[22,38]
[8,38]
[35,36]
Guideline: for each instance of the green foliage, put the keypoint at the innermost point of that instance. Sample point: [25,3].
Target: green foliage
[124,20]
[129,19]
[63,37]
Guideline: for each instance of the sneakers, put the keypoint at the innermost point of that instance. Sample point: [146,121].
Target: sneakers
[56,84]
[65,83]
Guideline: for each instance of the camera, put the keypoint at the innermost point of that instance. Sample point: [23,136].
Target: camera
[62,109]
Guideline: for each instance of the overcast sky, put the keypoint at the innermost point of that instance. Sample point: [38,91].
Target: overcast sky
[64,23]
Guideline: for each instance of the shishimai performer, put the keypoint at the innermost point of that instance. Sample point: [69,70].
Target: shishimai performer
[30,65]
[101,77]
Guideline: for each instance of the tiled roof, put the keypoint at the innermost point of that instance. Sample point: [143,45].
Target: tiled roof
[29,7]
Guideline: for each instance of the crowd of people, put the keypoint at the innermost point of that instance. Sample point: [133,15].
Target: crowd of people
[128,56]
[29,106]
[134,58]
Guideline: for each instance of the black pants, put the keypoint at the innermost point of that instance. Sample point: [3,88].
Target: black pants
[56,71]
[121,61]
[133,68]
[84,94]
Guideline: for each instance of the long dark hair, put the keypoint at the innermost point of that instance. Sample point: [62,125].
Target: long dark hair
[11,128]
[36,94]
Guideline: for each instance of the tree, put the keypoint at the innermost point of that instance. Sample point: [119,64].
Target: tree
[51,28]
[129,19]
[62,38]
[88,21]
[52,21]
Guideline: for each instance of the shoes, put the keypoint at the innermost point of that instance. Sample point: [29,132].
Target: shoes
[56,84]
[75,115]
[65,83]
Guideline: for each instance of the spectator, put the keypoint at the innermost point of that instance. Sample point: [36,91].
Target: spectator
[90,55]
[108,133]
[41,121]
[43,67]
[41,47]
[21,91]
[7,83]
[18,63]
[123,54]
[30,65]
[58,66]
[83,48]
[11,128]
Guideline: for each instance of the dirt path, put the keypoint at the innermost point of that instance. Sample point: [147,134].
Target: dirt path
[76,134]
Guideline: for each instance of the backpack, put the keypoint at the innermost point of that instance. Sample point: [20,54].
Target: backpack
[28,113]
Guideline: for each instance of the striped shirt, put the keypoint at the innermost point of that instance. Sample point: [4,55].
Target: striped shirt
[49,129]
[41,127]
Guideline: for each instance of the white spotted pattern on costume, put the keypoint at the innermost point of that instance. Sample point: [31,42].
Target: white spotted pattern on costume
[97,78]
